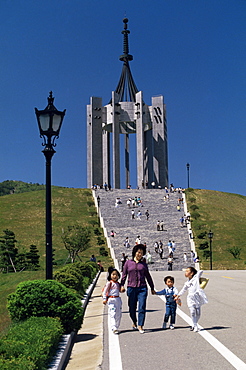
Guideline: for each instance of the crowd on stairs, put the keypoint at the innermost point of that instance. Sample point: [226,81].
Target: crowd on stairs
[154,217]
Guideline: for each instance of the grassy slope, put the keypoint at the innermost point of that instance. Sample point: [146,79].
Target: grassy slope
[24,214]
[225,215]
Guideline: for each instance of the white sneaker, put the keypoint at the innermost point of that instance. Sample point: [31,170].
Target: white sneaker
[196,329]
[141,330]
[164,326]
[171,327]
[116,331]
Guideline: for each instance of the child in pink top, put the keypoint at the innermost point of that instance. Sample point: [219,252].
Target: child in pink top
[111,295]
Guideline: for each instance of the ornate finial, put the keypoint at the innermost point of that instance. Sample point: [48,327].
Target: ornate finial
[50,99]
[126,88]
[126,56]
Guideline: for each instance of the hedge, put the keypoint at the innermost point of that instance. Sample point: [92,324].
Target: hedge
[77,275]
[46,298]
[30,344]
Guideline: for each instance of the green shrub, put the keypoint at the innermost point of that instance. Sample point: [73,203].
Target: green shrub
[87,269]
[195,215]
[192,200]
[194,207]
[77,275]
[97,232]
[30,344]
[69,280]
[46,298]
[235,251]
[20,363]
[94,222]
[103,251]
[202,235]
[203,246]
[206,254]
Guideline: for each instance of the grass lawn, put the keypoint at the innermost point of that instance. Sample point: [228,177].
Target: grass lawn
[24,214]
[225,215]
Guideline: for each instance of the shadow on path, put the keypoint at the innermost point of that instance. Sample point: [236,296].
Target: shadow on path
[84,337]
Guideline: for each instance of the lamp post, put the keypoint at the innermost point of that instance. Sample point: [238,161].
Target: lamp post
[49,123]
[210,235]
[188,175]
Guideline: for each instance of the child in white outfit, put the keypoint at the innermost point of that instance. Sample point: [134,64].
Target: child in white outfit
[111,295]
[196,296]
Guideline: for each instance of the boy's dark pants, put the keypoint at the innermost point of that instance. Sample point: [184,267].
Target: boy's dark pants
[170,311]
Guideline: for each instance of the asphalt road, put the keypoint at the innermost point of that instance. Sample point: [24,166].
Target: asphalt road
[222,319]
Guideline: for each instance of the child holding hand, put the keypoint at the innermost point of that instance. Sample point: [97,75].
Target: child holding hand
[196,296]
[111,295]
[171,305]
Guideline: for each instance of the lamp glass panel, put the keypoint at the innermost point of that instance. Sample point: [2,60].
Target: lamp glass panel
[56,122]
[44,120]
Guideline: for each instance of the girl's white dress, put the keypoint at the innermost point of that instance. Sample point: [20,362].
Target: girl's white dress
[196,296]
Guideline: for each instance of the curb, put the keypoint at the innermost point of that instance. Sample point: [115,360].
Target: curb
[59,361]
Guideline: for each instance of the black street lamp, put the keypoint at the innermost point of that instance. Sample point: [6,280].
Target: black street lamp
[188,175]
[210,235]
[49,123]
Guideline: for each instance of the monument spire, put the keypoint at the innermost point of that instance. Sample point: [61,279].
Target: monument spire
[126,87]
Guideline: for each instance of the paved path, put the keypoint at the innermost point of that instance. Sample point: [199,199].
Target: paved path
[88,347]
[220,345]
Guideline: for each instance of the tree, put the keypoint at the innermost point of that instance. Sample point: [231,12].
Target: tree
[235,251]
[33,258]
[8,250]
[21,262]
[76,239]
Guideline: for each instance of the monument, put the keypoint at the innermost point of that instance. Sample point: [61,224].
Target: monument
[127,114]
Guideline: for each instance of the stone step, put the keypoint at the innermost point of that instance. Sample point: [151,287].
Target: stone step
[119,220]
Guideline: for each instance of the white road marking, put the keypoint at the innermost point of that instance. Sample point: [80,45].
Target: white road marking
[223,350]
[115,362]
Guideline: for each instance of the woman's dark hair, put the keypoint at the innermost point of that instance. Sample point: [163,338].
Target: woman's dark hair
[192,270]
[136,248]
[110,270]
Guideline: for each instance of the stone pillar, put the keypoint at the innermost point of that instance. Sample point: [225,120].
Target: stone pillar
[106,156]
[159,129]
[127,164]
[148,159]
[116,140]
[139,138]
[94,142]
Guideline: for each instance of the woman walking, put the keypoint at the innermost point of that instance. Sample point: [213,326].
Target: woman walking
[137,272]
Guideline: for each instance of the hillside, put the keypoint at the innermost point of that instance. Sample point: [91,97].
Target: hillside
[24,214]
[225,215]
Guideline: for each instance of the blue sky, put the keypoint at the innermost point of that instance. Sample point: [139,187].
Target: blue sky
[193,52]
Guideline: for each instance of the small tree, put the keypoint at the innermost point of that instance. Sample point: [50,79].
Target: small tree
[21,262]
[235,251]
[8,250]
[203,246]
[76,239]
[33,258]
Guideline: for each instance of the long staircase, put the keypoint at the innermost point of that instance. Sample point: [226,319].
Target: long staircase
[120,221]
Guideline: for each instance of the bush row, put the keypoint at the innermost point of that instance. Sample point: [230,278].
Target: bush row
[29,345]
[77,276]
[44,300]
